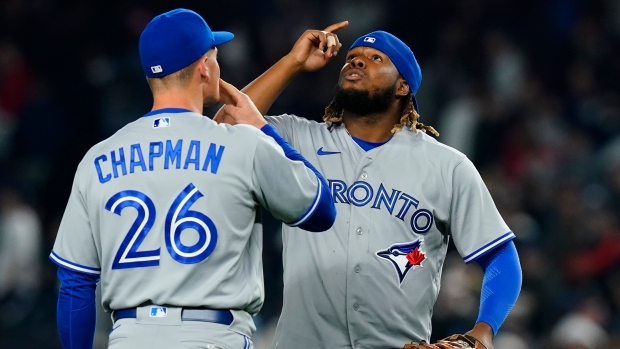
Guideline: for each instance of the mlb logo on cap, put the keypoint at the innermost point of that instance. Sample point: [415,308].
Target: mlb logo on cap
[157,69]
[369,39]
[159,312]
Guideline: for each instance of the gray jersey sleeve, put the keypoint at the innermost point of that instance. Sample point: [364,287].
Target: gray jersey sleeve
[476,225]
[75,246]
[285,124]
[288,189]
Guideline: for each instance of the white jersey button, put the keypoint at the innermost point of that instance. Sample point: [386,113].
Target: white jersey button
[359,231]
[356,306]
[364,175]
[357,269]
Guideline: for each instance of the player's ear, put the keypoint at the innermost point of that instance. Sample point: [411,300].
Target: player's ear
[203,67]
[402,87]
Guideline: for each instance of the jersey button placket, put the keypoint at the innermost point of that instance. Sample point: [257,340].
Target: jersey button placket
[358,245]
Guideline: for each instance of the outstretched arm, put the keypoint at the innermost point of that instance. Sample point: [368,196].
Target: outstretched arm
[312,51]
[321,214]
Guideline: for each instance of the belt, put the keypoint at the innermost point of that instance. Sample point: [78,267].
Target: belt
[224,317]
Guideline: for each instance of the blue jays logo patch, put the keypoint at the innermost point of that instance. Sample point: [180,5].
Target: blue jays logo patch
[404,257]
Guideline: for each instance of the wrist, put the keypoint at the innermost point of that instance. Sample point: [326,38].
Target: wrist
[484,333]
[291,64]
[259,124]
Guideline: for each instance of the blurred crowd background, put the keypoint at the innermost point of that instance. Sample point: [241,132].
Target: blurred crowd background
[528,89]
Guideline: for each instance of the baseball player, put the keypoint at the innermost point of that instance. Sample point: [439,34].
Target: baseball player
[163,212]
[401,196]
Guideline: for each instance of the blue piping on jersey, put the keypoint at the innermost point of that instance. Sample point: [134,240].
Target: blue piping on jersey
[76,312]
[310,209]
[486,248]
[501,284]
[71,265]
[321,215]
[167,110]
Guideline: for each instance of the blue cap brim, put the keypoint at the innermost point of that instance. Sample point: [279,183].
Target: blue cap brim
[222,37]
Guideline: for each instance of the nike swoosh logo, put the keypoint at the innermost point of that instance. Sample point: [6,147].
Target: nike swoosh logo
[325,152]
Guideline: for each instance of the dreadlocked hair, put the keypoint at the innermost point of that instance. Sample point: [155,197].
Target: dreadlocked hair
[333,115]
[409,118]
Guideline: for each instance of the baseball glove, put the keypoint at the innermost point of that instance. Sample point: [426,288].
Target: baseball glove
[456,341]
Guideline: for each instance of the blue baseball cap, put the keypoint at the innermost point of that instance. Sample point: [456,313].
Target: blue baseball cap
[175,39]
[400,54]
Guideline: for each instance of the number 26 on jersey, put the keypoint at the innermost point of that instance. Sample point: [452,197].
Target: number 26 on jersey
[178,218]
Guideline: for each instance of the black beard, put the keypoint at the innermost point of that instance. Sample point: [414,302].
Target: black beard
[363,103]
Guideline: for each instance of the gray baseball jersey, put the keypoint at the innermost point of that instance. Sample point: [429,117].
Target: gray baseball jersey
[164,209]
[372,280]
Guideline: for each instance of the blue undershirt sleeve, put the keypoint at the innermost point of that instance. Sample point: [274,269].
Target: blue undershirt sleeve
[324,213]
[501,284]
[76,312]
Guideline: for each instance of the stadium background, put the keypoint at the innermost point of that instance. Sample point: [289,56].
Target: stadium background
[528,89]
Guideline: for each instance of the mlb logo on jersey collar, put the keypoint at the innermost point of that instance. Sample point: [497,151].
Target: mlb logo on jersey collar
[158,312]
[161,122]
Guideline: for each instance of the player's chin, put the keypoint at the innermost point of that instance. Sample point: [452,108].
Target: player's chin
[210,101]
[352,86]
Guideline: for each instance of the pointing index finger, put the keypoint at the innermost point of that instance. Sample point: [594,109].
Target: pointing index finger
[337,26]
[228,93]
[333,44]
